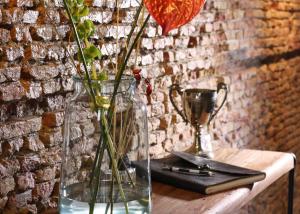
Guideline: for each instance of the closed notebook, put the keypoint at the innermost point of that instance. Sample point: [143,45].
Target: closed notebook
[220,181]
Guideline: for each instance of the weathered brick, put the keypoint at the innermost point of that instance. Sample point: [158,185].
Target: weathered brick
[33,90]
[42,72]
[30,16]
[29,208]
[33,143]
[53,119]
[10,74]
[21,3]
[12,146]
[11,91]
[20,33]
[6,185]
[4,35]
[35,51]
[51,137]
[8,167]
[20,127]
[51,86]
[49,15]
[43,190]
[29,162]
[3,202]
[54,103]
[20,200]
[51,156]
[44,33]
[14,52]
[25,181]
[46,174]
[12,16]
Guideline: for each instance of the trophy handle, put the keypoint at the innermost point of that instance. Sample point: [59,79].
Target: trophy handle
[176,87]
[220,86]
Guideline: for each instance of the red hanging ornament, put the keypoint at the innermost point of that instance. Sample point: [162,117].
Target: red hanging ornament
[137,74]
[149,89]
[171,14]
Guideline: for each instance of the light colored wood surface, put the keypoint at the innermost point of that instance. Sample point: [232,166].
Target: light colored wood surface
[170,200]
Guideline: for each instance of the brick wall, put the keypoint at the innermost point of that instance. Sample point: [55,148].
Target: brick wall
[255,45]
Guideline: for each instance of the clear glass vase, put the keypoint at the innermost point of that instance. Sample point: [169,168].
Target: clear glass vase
[83,143]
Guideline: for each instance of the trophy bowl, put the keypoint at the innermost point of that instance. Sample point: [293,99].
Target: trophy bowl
[199,110]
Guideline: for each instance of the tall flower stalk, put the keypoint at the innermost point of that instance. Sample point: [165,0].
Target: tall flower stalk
[88,53]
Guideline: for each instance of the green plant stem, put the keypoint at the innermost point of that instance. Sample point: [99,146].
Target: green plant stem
[97,183]
[134,24]
[122,68]
[80,50]
[117,80]
[112,153]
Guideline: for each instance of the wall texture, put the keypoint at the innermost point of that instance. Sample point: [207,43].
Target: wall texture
[254,45]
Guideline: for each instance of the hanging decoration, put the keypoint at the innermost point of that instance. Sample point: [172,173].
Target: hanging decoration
[171,14]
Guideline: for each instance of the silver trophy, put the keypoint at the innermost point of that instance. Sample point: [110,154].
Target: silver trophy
[199,110]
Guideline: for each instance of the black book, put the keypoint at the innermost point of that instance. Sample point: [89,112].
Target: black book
[218,182]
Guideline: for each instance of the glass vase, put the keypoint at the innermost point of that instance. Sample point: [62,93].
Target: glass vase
[125,190]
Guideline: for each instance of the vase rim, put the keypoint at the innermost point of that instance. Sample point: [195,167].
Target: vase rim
[125,77]
[127,82]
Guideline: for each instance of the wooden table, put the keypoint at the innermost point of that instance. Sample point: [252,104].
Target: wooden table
[171,200]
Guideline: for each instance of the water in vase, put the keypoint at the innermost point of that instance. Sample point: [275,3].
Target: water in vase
[76,200]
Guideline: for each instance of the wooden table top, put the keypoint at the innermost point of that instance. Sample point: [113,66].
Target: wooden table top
[171,200]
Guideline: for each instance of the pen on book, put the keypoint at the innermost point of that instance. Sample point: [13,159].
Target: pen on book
[188,171]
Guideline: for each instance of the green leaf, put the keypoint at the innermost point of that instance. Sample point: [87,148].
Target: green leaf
[80,1]
[90,27]
[102,102]
[102,76]
[83,11]
[92,52]
[86,29]
[81,31]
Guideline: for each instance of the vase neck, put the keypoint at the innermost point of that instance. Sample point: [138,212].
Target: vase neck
[106,88]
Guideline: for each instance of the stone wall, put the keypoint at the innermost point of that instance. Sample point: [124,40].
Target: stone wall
[254,45]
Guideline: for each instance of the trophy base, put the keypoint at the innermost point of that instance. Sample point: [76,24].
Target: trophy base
[207,155]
